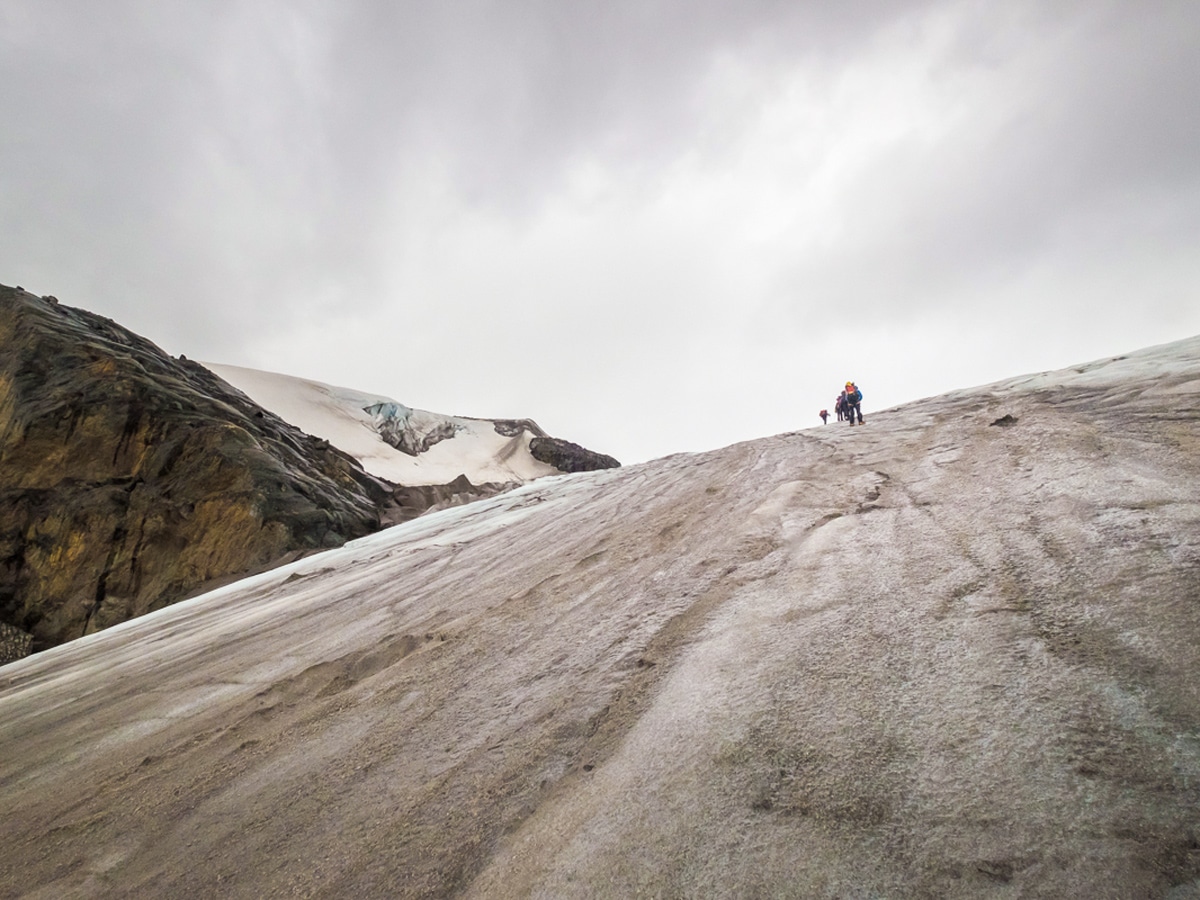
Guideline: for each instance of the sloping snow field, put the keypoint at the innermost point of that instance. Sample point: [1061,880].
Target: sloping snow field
[340,416]
[929,657]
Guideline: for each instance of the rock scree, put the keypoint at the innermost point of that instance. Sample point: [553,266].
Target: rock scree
[14,643]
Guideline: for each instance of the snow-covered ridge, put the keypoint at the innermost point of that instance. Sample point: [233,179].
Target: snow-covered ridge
[391,440]
[1176,361]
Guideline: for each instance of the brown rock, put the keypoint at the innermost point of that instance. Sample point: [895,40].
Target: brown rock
[569,457]
[129,480]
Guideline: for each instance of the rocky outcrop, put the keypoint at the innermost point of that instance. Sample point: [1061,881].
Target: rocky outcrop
[568,457]
[129,479]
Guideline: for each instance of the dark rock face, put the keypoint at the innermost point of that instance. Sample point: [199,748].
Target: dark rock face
[568,457]
[129,480]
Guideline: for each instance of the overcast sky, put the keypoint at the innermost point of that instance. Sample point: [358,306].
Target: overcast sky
[653,226]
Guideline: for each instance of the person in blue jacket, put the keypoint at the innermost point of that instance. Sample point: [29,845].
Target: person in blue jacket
[853,402]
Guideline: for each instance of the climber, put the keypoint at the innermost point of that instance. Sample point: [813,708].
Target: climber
[853,402]
[824,414]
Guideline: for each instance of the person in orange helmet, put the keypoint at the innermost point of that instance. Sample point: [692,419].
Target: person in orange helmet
[853,402]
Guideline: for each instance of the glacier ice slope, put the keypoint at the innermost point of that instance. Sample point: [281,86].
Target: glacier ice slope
[931,656]
[352,420]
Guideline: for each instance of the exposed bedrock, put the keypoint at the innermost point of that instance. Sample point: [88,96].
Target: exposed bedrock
[568,457]
[129,479]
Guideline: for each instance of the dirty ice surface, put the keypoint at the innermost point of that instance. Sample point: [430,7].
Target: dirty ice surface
[931,656]
[351,420]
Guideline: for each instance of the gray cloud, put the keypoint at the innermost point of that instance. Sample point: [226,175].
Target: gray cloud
[676,199]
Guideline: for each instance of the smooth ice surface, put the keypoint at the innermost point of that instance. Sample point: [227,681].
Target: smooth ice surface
[342,416]
[931,656]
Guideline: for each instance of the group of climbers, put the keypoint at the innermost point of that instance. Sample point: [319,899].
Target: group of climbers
[847,406]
